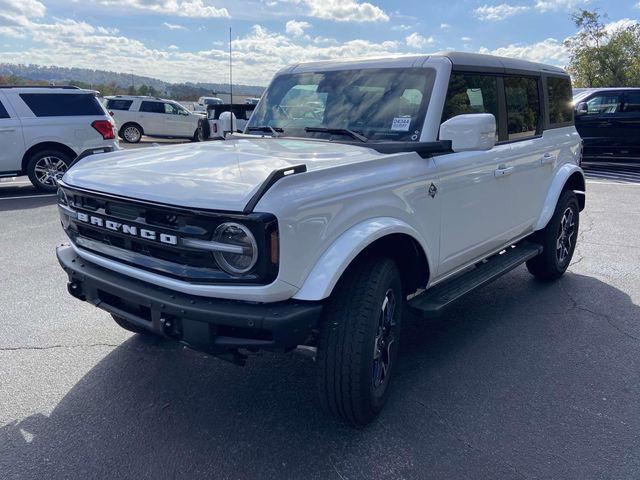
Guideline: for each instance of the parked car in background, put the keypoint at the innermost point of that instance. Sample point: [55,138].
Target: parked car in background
[415,181]
[214,128]
[252,101]
[203,102]
[136,116]
[608,120]
[43,129]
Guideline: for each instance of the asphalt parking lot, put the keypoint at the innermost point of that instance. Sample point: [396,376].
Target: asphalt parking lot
[520,380]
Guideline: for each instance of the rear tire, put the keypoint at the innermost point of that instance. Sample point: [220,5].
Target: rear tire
[358,341]
[46,167]
[131,133]
[558,239]
[130,326]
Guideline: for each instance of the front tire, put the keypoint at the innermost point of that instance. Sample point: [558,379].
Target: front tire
[46,167]
[131,133]
[558,240]
[358,341]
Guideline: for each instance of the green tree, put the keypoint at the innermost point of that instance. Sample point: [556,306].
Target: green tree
[601,57]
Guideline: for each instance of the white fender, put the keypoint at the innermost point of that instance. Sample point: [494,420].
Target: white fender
[335,260]
[562,175]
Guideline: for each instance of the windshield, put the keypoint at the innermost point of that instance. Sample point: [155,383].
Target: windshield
[381,104]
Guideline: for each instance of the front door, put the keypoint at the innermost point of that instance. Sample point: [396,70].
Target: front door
[11,138]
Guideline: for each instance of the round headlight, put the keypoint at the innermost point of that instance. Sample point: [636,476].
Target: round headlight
[241,260]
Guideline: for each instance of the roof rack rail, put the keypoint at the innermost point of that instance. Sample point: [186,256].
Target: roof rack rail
[63,87]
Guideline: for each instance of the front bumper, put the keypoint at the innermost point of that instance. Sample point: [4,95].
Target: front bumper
[211,325]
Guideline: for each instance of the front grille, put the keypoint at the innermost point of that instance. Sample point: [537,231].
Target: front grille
[176,261]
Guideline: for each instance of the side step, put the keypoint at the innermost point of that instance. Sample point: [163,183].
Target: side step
[433,301]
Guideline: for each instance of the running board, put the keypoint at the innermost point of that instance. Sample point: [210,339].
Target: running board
[433,301]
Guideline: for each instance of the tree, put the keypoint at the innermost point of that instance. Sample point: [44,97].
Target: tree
[602,57]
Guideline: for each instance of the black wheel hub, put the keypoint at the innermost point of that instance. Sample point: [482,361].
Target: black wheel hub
[384,341]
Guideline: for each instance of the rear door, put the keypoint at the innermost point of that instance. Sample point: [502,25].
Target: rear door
[152,117]
[600,127]
[630,123]
[11,138]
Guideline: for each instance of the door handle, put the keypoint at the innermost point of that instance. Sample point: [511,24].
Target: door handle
[7,129]
[503,171]
[548,158]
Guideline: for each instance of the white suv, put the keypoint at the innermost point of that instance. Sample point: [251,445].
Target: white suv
[155,117]
[368,187]
[43,129]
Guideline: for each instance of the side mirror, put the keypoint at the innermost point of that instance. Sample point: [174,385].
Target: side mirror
[582,109]
[475,131]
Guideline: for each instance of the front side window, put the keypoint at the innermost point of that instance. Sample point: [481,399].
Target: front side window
[560,100]
[471,93]
[152,107]
[523,107]
[171,109]
[381,104]
[604,104]
[3,111]
[62,104]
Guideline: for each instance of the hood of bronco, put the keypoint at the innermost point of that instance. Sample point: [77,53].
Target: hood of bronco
[216,175]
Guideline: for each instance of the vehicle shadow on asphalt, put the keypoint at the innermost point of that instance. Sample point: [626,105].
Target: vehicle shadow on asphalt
[18,204]
[477,394]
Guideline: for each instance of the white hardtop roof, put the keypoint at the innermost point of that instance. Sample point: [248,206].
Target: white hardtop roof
[459,60]
[46,89]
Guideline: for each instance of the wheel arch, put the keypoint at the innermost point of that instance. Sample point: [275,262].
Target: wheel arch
[380,237]
[130,122]
[38,147]
[569,177]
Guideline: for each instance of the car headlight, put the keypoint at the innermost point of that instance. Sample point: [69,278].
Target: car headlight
[240,260]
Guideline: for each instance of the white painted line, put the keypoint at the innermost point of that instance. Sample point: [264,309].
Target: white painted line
[619,184]
[29,196]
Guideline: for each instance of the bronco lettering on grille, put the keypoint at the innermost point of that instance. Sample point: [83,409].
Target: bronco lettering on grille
[131,230]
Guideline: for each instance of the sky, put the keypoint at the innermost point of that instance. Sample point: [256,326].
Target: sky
[187,40]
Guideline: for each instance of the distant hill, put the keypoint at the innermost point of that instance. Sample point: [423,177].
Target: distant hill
[123,81]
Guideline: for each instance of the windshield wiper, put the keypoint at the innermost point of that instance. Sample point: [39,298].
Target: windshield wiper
[338,131]
[267,128]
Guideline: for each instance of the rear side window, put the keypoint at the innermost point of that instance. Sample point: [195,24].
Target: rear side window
[152,107]
[560,100]
[62,104]
[471,94]
[523,107]
[632,102]
[118,104]
[3,111]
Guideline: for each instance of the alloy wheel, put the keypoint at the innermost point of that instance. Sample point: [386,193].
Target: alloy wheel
[566,235]
[384,341]
[48,170]
[132,134]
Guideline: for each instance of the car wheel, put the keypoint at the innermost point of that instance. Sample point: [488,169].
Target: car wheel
[358,341]
[558,240]
[198,135]
[46,167]
[131,133]
[130,326]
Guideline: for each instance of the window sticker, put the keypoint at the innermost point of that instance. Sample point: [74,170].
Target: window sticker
[401,124]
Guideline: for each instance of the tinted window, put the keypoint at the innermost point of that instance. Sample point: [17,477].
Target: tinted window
[523,107]
[114,104]
[604,103]
[632,102]
[62,105]
[3,111]
[560,100]
[152,107]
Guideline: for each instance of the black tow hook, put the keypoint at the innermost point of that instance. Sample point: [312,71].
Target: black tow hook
[171,327]
[75,289]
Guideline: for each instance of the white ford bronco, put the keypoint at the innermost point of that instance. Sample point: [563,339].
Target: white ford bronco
[361,190]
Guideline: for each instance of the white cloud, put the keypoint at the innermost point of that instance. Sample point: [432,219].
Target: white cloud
[555,5]
[173,26]
[343,10]
[296,28]
[18,12]
[547,51]
[445,26]
[466,39]
[417,41]
[181,8]
[496,13]
[619,25]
